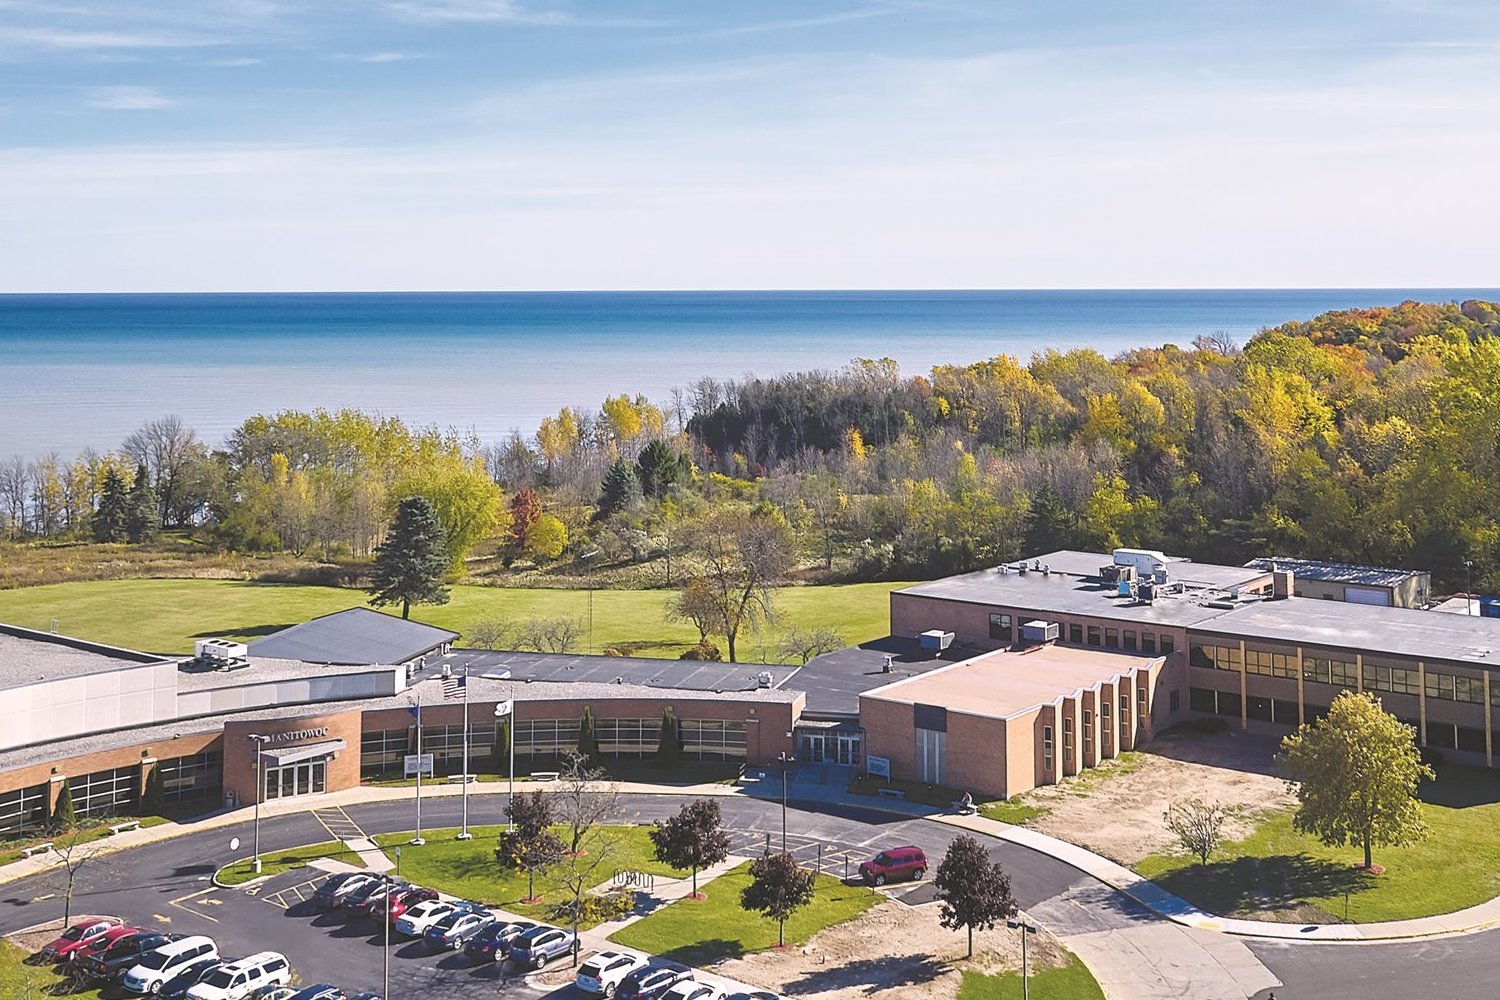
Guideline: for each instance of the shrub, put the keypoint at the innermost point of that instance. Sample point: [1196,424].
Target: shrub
[612,905]
[703,651]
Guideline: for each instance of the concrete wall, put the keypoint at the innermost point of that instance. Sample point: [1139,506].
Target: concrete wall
[93,702]
[377,682]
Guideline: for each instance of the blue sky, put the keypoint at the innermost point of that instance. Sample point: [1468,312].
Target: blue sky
[403,144]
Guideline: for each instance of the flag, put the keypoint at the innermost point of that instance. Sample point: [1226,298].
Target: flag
[416,712]
[454,686]
[505,708]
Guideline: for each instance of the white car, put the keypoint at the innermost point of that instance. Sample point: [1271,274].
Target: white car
[156,967]
[245,978]
[415,921]
[691,989]
[602,973]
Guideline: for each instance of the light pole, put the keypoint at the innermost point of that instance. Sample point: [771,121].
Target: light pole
[464,834]
[1026,927]
[507,710]
[260,793]
[588,560]
[786,760]
[1468,586]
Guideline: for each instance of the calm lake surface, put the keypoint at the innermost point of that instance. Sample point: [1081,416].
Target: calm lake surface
[84,370]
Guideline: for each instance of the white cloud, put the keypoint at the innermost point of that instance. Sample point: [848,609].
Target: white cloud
[502,11]
[63,38]
[234,62]
[379,57]
[128,99]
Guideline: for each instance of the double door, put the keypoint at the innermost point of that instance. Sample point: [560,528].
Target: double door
[303,778]
[830,748]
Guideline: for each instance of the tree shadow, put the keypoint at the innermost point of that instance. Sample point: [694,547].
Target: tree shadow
[1282,882]
[706,952]
[247,630]
[1459,786]
[870,974]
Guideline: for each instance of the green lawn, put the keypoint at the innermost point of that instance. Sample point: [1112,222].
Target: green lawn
[19,981]
[1012,811]
[697,932]
[1277,873]
[467,868]
[1070,982]
[274,863]
[165,616]
[86,831]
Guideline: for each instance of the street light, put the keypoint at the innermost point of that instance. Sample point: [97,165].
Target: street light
[1468,586]
[260,792]
[1026,927]
[786,760]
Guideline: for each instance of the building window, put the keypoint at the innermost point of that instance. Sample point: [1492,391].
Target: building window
[627,737]
[1075,634]
[1202,700]
[381,751]
[1112,638]
[1284,712]
[1068,736]
[1451,687]
[105,793]
[1088,733]
[1258,708]
[1215,657]
[710,739]
[1130,642]
[546,737]
[1000,628]
[1173,701]
[200,776]
[1046,749]
[1140,703]
[1167,644]
[1266,664]
[1396,680]
[1148,642]
[23,810]
[1443,735]
[1326,671]
[932,747]
[446,744]
[1093,635]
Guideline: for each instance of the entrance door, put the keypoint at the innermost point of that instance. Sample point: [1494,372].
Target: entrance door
[849,748]
[814,747]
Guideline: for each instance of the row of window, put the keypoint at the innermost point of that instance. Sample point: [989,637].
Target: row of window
[23,810]
[105,793]
[1341,673]
[1003,629]
[200,776]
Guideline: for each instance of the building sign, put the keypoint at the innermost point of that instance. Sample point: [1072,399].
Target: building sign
[878,766]
[297,735]
[418,763]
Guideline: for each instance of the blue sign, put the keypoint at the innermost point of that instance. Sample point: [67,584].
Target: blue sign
[878,766]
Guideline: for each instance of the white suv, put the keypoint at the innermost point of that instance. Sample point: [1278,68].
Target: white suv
[156,967]
[602,973]
[415,921]
[244,978]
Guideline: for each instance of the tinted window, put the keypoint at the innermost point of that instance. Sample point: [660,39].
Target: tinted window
[73,934]
[220,978]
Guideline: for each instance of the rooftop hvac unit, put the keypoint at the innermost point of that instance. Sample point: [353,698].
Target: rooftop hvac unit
[1039,631]
[220,650]
[1144,560]
[935,640]
[763,679]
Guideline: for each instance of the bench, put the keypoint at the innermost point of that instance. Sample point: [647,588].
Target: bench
[545,775]
[129,824]
[35,849]
[892,793]
[459,779]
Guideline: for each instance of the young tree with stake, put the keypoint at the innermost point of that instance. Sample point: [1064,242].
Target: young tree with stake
[1197,825]
[974,891]
[694,838]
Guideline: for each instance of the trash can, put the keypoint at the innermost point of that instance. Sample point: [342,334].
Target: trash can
[231,801]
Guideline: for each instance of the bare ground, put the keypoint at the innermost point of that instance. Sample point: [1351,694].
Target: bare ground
[1119,813]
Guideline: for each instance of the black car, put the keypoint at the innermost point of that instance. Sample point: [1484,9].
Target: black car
[322,991]
[176,988]
[375,885]
[367,995]
[652,981]
[335,887]
[123,955]
[493,942]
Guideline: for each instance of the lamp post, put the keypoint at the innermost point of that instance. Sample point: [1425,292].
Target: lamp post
[588,560]
[1026,927]
[786,760]
[1468,586]
[260,793]
[507,709]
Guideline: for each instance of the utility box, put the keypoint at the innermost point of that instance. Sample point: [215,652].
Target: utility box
[935,640]
[1039,631]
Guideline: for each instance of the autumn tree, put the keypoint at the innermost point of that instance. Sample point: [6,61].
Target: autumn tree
[525,508]
[529,846]
[467,502]
[802,645]
[694,838]
[1355,773]
[1197,825]
[975,892]
[743,555]
[546,538]
[412,561]
[778,888]
[697,603]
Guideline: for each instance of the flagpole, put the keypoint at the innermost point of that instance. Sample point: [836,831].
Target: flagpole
[507,710]
[465,834]
[418,838]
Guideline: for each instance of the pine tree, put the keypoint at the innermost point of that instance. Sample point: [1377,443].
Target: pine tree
[411,562]
[588,747]
[111,520]
[668,747]
[500,755]
[63,816]
[621,489]
[1052,525]
[141,517]
[660,468]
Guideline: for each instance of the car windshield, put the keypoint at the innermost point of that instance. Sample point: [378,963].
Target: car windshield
[155,960]
[219,979]
[73,934]
[882,859]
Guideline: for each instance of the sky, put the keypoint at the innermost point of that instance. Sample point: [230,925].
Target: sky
[201,145]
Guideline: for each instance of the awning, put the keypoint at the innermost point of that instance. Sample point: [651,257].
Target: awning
[300,752]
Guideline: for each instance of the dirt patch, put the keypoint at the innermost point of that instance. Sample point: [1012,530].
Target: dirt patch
[1119,814]
[891,948]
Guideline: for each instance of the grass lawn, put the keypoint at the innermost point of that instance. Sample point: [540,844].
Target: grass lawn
[1012,811]
[1277,871]
[19,981]
[916,791]
[1070,982]
[165,616]
[87,830]
[697,932]
[274,863]
[467,868]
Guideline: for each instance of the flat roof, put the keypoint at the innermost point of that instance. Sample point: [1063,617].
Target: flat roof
[355,636]
[29,657]
[262,670]
[1405,632]
[1003,683]
[575,668]
[1180,569]
[834,681]
[1338,572]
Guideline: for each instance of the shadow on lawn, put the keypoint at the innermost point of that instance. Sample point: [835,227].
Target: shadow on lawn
[870,975]
[1282,882]
[1460,787]
[706,952]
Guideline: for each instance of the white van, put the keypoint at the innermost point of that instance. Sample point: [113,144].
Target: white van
[244,978]
[156,967]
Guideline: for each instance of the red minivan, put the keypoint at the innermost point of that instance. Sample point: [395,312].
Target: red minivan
[894,863]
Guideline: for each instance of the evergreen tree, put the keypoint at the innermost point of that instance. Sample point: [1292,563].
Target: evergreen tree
[621,489]
[63,816]
[668,747]
[661,468]
[588,747]
[500,755]
[1052,526]
[411,562]
[155,795]
[111,520]
[141,515]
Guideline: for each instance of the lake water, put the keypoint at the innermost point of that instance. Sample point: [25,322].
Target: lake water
[85,370]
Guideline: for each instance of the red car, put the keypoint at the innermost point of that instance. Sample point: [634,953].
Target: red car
[100,943]
[77,936]
[896,863]
[400,904]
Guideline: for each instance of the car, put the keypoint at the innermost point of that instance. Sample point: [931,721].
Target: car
[277,993]
[176,988]
[393,908]
[652,981]
[120,957]
[602,973]
[893,864]
[334,888]
[243,979]
[493,942]
[361,893]
[101,943]
[456,928]
[76,937]
[540,945]
[153,970]
[415,921]
[320,991]
[690,990]
[373,904]
[755,995]
[367,995]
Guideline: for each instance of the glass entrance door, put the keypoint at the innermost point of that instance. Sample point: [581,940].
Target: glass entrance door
[848,744]
[814,748]
[307,778]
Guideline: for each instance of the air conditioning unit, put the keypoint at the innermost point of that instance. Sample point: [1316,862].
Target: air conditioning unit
[1040,631]
[219,651]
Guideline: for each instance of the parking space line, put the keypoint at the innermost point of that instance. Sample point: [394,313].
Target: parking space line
[180,902]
